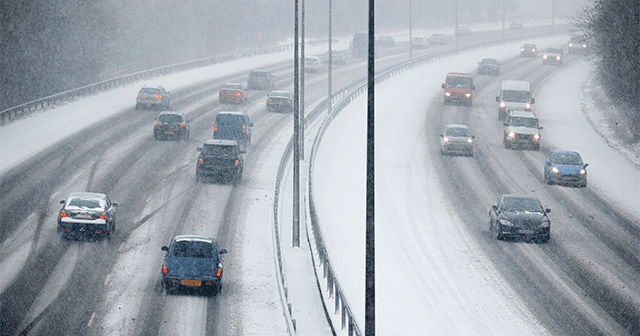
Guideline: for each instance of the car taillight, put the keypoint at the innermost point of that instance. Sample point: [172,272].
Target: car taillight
[158,96]
[157,123]
[244,128]
[238,94]
[468,95]
[215,127]
[219,272]
[201,161]
[536,137]
[103,216]
[268,100]
[182,125]
[237,163]
[139,95]
[288,102]
[63,214]
[165,270]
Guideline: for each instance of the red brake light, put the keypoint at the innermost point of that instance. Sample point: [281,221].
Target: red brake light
[139,95]
[219,272]
[157,123]
[181,125]
[244,128]
[269,100]
[158,96]
[238,93]
[63,214]
[165,270]
[201,161]
[215,128]
[103,216]
[237,163]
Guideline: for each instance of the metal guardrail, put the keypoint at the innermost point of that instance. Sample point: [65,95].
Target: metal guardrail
[341,304]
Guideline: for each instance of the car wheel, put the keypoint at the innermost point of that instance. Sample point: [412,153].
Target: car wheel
[505,143]
[198,178]
[547,178]
[583,185]
[499,235]
[536,147]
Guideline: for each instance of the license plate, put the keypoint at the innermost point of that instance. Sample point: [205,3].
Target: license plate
[169,132]
[526,231]
[84,216]
[186,282]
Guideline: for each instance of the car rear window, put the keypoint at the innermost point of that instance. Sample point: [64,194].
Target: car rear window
[149,91]
[86,203]
[232,87]
[218,150]
[193,249]
[170,118]
[258,74]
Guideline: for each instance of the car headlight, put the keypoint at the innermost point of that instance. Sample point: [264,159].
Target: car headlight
[505,222]
[558,58]
[536,137]
[544,56]
[533,50]
[545,224]
[445,139]
[527,106]
[447,94]
[583,171]
[521,49]
[511,134]
[502,104]
[470,140]
[555,170]
[468,95]
[570,45]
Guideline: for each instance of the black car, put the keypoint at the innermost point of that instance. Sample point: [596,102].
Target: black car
[385,41]
[192,263]
[171,125]
[280,101]
[489,66]
[220,159]
[529,50]
[156,97]
[519,216]
[260,80]
[87,213]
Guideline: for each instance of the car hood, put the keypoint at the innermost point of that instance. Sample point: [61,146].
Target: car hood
[192,267]
[569,169]
[524,218]
[523,130]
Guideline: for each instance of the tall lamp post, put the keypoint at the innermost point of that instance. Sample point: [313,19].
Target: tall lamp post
[410,33]
[296,144]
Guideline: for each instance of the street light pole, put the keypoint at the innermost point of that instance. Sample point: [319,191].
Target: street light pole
[330,79]
[296,143]
[410,33]
[301,157]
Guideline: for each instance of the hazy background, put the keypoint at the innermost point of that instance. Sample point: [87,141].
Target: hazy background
[53,46]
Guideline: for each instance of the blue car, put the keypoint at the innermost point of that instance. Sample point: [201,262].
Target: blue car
[192,263]
[564,167]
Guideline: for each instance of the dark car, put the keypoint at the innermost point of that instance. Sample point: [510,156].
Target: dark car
[456,139]
[87,213]
[553,56]
[564,167]
[192,263]
[489,66]
[529,50]
[171,125]
[280,101]
[230,125]
[385,41]
[221,159]
[156,97]
[260,80]
[232,93]
[519,216]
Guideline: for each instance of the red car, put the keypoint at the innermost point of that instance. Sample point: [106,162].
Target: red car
[233,93]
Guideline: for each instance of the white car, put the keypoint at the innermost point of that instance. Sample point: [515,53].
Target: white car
[456,139]
[313,64]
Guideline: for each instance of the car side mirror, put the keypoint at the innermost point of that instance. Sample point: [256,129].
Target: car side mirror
[497,99]
[442,136]
[473,87]
[585,165]
[533,101]
[505,124]
[62,202]
[115,204]
[442,86]
[164,248]
[223,251]
[199,149]
[540,127]
[494,207]
[547,210]
[473,137]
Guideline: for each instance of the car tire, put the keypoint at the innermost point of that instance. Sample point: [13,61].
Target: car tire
[499,235]
[547,178]
[536,147]
[505,143]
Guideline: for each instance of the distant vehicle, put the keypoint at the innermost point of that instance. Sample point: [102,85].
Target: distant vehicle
[577,45]
[439,39]
[156,97]
[529,50]
[514,95]
[336,57]
[87,213]
[230,125]
[419,42]
[280,101]
[489,66]
[192,263]
[360,45]
[521,129]
[313,64]
[516,24]
[519,216]
[233,93]
[462,30]
[220,159]
[171,125]
[458,87]
[553,55]
[385,41]
[565,167]
[456,139]
[260,80]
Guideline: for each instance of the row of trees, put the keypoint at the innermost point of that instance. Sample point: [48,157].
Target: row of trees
[612,29]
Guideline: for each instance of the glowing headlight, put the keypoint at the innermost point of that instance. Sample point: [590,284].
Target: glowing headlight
[471,141]
[447,94]
[536,137]
[558,58]
[582,171]
[570,45]
[511,134]
[521,49]
[532,50]
[584,45]
[527,106]
[502,104]
[445,139]
[505,222]
[555,170]
[468,95]
[544,56]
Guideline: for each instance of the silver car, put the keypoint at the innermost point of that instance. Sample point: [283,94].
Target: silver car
[456,139]
[87,213]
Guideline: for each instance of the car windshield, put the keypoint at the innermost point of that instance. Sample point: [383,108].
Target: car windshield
[86,203]
[489,61]
[258,74]
[457,131]
[522,204]
[524,122]
[193,249]
[567,159]
[459,82]
[218,150]
[515,96]
[170,118]
[529,46]
[232,87]
[149,91]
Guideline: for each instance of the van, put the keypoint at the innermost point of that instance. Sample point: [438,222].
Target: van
[514,95]
[231,125]
[360,45]
[458,87]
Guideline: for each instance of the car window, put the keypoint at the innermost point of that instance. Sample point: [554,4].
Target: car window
[489,61]
[218,150]
[515,96]
[258,74]
[568,159]
[523,122]
[170,118]
[232,87]
[193,249]
[457,131]
[87,203]
[459,82]
[522,204]
[149,91]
